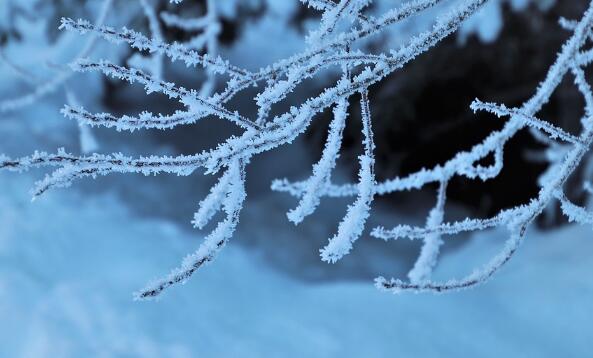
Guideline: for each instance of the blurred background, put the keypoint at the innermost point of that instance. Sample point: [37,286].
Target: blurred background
[70,261]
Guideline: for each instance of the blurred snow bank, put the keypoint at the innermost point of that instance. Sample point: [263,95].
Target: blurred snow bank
[69,264]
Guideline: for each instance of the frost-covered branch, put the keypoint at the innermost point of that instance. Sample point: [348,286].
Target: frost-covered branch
[72,167]
[323,169]
[188,97]
[573,212]
[352,225]
[427,259]
[501,110]
[336,43]
[173,51]
[231,204]
[523,215]
[145,120]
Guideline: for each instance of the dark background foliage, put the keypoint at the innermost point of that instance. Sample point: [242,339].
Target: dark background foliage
[422,116]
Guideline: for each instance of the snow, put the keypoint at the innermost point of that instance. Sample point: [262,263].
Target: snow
[70,263]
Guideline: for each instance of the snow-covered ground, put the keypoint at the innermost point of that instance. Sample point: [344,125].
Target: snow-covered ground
[69,265]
